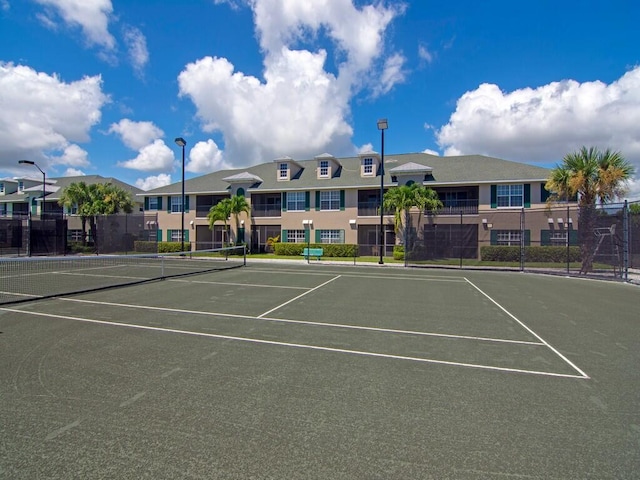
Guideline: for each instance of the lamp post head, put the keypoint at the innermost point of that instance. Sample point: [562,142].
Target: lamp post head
[180,142]
[383,124]
[27,162]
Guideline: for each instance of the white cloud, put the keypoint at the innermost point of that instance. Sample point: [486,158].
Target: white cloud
[300,108]
[150,183]
[543,124]
[367,147]
[137,48]
[154,157]
[431,152]
[74,156]
[92,16]
[41,114]
[392,74]
[425,54]
[206,157]
[136,135]
[73,172]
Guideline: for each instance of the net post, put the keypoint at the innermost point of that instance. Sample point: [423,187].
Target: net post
[244,255]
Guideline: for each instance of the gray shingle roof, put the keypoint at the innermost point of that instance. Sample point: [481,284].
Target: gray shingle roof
[464,169]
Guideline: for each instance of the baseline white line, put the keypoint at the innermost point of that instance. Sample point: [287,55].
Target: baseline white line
[307,322]
[391,276]
[569,362]
[296,345]
[298,297]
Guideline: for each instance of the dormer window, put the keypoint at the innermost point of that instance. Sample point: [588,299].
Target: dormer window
[283,170]
[20,186]
[324,168]
[367,166]
[1,187]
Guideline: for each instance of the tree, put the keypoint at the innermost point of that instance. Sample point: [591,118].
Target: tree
[95,199]
[402,199]
[220,212]
[77,195]
[239,205]
[595,177]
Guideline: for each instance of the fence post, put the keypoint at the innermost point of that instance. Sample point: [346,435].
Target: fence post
[625,240]
[522,235]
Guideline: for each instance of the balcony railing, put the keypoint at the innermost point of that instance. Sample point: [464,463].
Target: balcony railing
[456,207]
[371,209]
[266,210]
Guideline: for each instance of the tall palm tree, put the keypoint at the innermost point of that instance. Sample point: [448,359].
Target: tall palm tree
[595,177]
[239,205]
[220,212]
[402,199]
[77,195]
[116,199]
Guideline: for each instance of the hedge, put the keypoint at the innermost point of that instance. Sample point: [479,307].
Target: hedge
[329,249]
[531,254]
[145,247]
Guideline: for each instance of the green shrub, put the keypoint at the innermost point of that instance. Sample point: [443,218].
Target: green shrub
[145,247]
[398,252]
[535,254]
[173,247]
[77,247]
[328,249]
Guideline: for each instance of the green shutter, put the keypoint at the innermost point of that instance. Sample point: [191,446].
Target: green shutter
[169,233]
[342,200]
[544,193]
[494,237]
[573,237]
[318,236]
[146,203]
[317,200]
[284,238]
[159,203]
[159,235]
[186,203]
[341,236]
[494,197]
[284,205]
[527,195]
[169,204]
[527,238]
[307,201]
[545,237]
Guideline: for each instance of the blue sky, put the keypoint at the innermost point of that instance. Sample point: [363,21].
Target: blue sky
[104,86]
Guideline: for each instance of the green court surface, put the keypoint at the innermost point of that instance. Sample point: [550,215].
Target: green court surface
[298,371]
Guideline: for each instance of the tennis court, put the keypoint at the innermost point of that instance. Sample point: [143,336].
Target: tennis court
[291,370]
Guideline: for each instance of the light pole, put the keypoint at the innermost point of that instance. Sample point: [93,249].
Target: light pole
[44,182]
[382,126]
[181,143]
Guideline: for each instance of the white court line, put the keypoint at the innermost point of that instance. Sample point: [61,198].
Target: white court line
[571,364]
[307,322]
[238,284]
[452,278]
[299,296]
[296,345]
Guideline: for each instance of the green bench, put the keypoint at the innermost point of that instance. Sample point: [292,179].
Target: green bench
[313,252]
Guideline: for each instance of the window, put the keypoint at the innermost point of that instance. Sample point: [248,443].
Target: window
[330,200]
[296,236]
[296,201]
[508,237]
[283,168]
[153,203]
[1,187]
[175,236]
[510,195]
[331,236]
[324,168]
[558,238]
[20,186]
[367,165]
[176,204]
[75,235]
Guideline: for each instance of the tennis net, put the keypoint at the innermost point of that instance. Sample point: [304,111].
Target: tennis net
[24,279]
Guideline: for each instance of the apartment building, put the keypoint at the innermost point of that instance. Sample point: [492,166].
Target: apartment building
[336,200]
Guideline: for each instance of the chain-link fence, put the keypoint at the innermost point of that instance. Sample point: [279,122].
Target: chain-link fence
[599,241]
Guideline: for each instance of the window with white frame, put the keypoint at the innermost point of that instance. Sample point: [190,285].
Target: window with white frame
[75,235]
[175,236]
[296,236]
[324,168]
[331,236]
[283,168]
[1,187]
[558,237]
[367,165]
[510,195]
[176,204]
[153,203]
[20,186]
[508,237]
[330,200]
[296,201]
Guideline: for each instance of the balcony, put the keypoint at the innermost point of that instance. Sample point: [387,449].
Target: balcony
[457,207]
[371,209]
[266,211]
